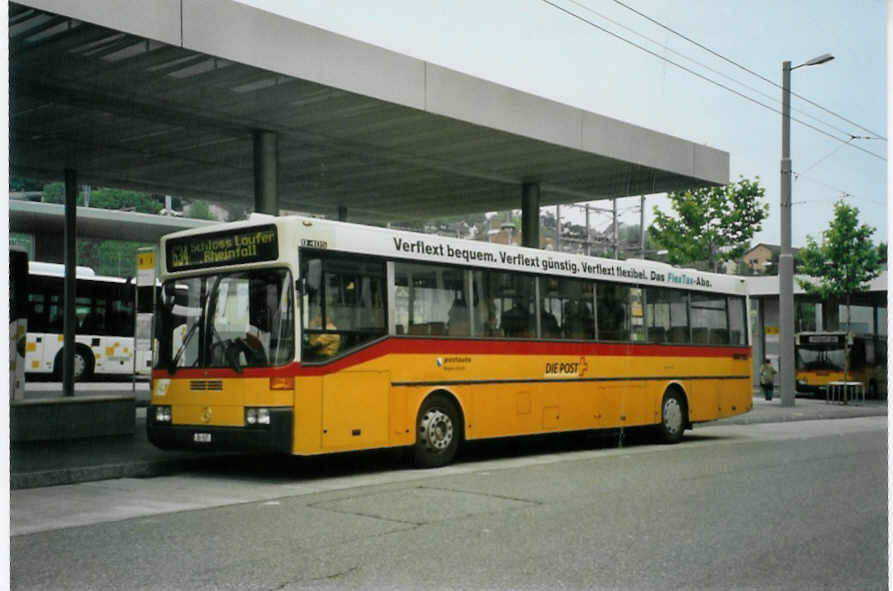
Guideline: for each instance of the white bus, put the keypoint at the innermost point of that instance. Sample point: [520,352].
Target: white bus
[105,321]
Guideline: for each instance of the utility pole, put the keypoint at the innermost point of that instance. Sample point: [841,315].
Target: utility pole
[616,241]
[588,235]
[787,369]
[642,226]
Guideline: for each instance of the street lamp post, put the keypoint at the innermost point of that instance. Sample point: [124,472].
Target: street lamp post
[786,373]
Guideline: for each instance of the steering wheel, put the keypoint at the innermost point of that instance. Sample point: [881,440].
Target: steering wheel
[254,351]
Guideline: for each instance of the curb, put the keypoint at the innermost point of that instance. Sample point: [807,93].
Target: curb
[76,475]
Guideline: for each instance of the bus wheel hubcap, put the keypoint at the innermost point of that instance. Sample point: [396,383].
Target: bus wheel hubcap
[79,365]
[672,415]
[436,430]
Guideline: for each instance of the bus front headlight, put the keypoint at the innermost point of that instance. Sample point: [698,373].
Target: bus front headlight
[257,416]
[162,414]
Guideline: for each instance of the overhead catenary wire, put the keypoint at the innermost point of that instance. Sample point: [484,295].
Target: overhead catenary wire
[708,68]
[746,69]
[838,190]
[705,78]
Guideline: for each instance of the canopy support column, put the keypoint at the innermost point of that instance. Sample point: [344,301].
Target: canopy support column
[70,283]
[266,172]
[530,215]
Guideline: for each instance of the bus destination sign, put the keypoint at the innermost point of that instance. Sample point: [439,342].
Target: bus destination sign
[825,339]
[232,247]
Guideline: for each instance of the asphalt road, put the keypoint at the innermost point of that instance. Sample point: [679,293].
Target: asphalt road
[783,505]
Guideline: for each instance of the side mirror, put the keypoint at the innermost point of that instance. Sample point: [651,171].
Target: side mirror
[169,295]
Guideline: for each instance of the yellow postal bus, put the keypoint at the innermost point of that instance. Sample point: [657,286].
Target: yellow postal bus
[309,336]
[822,359]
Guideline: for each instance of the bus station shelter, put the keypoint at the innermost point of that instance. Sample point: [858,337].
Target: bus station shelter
[216,100]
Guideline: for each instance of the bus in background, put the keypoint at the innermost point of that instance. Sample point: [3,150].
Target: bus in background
[822,358]
[868,363]
[104,336]
[18,321]
[308,336]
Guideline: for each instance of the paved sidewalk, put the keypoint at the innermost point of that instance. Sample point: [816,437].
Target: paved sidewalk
[65,462]
[50,463]
[804,409]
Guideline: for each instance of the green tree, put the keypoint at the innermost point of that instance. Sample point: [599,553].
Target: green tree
[845,262]
[106,198]
[711,224]
[200,210]
[20,184]
[54,193]
[109,257]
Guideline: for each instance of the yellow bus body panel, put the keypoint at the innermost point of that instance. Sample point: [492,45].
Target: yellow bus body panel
[375,403]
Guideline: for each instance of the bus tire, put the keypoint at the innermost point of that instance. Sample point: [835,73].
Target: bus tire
[673,416]
[438,431]
[83,364]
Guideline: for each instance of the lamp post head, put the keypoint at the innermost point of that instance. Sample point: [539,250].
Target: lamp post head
[824,58]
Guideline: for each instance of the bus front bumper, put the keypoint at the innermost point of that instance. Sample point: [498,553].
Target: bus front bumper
[275,437]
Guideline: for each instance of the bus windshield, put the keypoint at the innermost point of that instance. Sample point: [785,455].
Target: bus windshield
[235,320]
[812,358]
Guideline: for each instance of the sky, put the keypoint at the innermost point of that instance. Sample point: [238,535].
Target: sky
[536,47]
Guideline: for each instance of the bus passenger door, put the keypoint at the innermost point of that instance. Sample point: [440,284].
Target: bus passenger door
[355,407]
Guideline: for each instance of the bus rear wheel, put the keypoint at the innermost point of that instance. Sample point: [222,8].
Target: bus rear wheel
[438,432]
[673,417]
[83,364]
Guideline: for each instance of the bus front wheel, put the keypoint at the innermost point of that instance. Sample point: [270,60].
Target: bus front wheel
[674,417]
[438,432]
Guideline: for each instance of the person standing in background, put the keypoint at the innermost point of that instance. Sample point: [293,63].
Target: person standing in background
[767,378]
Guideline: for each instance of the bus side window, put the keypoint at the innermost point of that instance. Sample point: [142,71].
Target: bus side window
[512,299]
[614,312]
[667,315]
[709,319]
[431,300]
[347,310]
[37,312]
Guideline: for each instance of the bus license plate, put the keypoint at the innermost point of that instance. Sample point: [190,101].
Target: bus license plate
[201,437]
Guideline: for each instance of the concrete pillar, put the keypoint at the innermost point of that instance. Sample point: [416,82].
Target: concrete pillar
[530,215]
[70,283]
[266,172]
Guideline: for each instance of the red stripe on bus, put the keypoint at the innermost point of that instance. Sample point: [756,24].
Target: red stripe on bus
[421,346]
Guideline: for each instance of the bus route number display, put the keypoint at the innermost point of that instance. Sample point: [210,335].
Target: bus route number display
[232,247]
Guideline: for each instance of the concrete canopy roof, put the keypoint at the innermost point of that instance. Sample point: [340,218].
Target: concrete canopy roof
[48,219]
[164,96]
